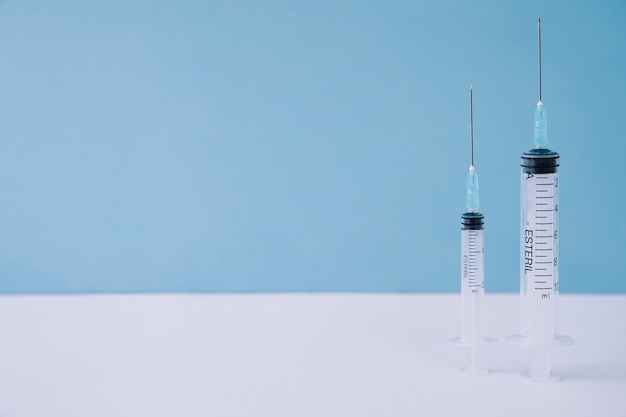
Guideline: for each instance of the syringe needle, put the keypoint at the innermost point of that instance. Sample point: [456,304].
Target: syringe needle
[539,53]
[471,129]
[541,120]
[472,202]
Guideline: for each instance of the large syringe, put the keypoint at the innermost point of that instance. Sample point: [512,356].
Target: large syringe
[472,268]
[539,247]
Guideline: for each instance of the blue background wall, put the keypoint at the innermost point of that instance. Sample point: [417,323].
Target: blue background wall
[299,145]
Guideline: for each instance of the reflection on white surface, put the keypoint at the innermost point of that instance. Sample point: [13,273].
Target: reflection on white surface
[294,355]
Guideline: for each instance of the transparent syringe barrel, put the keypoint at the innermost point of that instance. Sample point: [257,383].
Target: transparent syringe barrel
[539,246]
[472,278]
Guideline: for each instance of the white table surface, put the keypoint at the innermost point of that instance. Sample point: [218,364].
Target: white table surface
[295,355]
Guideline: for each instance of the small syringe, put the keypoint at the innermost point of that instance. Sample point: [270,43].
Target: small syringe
[472,268]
